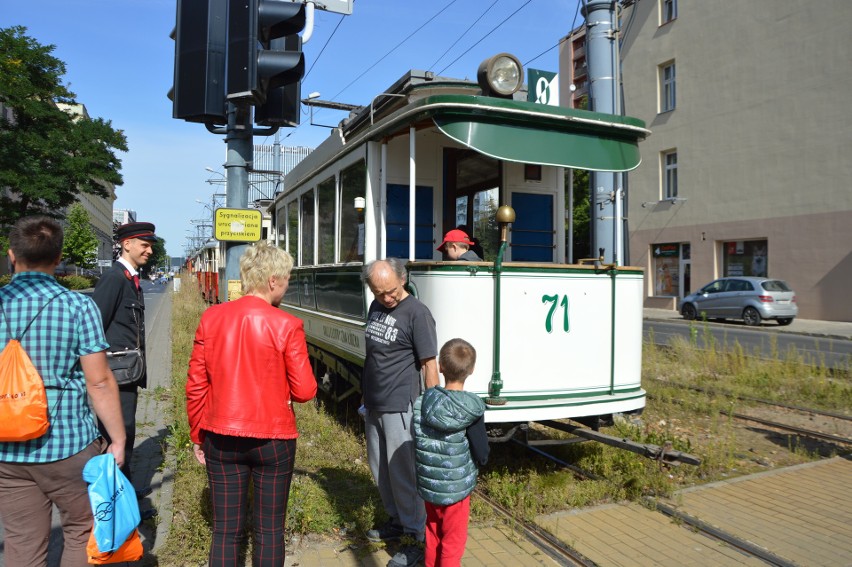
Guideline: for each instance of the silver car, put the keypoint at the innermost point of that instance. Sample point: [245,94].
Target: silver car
[748,298]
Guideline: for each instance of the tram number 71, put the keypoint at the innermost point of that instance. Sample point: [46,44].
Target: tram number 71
[554,302]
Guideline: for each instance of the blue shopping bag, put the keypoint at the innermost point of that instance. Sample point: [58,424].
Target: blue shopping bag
[113,500]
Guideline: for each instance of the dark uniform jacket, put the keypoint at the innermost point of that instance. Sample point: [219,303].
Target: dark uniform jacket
[122,310]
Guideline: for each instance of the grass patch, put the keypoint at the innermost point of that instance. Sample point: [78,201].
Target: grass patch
[332,491]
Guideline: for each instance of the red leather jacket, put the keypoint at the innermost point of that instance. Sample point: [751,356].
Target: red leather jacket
[249,363]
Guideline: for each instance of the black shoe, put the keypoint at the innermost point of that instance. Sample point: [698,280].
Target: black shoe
[388,531]
[148,514]
[408,556]
[143,492]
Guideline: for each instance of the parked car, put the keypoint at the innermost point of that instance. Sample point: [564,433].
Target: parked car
[748,298]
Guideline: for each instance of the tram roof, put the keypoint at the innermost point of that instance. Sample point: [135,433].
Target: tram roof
[508,129]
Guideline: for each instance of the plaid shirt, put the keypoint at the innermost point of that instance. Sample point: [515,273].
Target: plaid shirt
[70,327]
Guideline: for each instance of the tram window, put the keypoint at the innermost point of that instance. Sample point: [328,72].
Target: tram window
[485,230]
[307,227]
[325,213]
[281,228]
[472,196]
[353,183]
[293,230]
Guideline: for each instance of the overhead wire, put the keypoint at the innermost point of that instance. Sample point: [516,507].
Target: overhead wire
[470,27]
[495,28]
[383,57]
[561,40]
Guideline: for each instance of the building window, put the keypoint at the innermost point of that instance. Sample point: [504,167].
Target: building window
[667,87]
[668,11]
[745,258]
[669,175]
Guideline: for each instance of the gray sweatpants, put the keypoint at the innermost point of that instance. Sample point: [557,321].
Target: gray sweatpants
[390,453]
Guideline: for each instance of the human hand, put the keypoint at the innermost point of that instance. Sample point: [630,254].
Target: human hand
[199,453]
[117,451]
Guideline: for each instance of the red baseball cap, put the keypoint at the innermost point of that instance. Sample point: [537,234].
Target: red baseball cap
[455,235]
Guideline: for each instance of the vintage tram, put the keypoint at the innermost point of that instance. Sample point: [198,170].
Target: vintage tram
[554,340]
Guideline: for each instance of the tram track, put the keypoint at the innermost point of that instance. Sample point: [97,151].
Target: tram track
[779,425]
[542,539]
[559,550]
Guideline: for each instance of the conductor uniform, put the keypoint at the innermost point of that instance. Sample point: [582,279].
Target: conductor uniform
[119,298]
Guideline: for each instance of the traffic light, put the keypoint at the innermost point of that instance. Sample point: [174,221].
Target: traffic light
[254,66]
[200,35]
[283,104]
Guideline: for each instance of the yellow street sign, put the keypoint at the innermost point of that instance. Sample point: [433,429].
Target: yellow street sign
[237,225]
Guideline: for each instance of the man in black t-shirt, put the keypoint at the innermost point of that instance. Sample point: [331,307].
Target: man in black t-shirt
[401,342]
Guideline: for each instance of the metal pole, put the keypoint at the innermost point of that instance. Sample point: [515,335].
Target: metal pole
[240,153]
[601,40]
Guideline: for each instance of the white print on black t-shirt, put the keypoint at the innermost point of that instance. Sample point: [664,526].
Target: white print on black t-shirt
[381,328]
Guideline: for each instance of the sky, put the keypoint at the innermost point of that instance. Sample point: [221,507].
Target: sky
[120,64]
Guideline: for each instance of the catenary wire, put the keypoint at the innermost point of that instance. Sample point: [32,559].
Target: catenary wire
[383,57]
[470,27]
[573,24]
[441,72]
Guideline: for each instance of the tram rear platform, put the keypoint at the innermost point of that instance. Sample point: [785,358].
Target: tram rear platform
[795,516]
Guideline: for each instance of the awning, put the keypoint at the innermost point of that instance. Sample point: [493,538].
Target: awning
[579,149]
[538,134]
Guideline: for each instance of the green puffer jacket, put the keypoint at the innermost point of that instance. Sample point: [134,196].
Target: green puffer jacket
[446,474]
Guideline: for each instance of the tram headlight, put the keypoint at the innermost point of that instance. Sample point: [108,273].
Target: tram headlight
[500,75]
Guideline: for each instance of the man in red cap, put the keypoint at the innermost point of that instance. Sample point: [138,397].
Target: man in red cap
[456,246]
[119,297]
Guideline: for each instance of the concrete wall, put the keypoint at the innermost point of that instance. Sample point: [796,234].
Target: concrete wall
[762,134]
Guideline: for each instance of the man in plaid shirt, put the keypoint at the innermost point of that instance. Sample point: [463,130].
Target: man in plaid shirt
[66,344]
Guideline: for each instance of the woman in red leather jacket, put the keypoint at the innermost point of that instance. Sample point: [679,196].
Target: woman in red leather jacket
[249,364]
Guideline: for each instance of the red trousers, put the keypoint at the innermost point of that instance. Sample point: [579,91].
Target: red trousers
[446,533]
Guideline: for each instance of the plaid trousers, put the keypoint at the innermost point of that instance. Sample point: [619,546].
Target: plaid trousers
[231,463]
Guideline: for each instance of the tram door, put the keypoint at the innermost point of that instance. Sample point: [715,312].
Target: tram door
[397,222]
[533,237]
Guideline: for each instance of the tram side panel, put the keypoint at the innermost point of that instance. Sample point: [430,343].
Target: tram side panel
[557,335]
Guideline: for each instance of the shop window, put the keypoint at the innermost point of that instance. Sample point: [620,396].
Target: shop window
[745,258]
[666,269]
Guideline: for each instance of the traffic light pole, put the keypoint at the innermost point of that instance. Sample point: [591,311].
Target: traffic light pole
[238,138]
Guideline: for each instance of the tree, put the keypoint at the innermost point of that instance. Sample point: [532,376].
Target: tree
[158,258]
[81,244]
[47,156]
[581,214]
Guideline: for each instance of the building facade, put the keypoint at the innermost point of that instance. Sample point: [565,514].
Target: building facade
[747,168]
[98,208]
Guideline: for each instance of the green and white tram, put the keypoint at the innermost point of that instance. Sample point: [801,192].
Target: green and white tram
[554,340]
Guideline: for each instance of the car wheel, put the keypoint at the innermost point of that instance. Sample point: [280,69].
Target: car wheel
[784,321]
[688,311]
[751,317]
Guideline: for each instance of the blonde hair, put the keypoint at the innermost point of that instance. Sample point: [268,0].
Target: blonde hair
[260,262]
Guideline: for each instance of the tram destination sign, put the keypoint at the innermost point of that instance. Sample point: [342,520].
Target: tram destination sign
[237,225]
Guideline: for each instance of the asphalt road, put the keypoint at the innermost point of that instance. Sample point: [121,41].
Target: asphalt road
[833,352]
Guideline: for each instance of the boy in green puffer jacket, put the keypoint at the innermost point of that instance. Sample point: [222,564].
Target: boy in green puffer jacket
[451,443]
